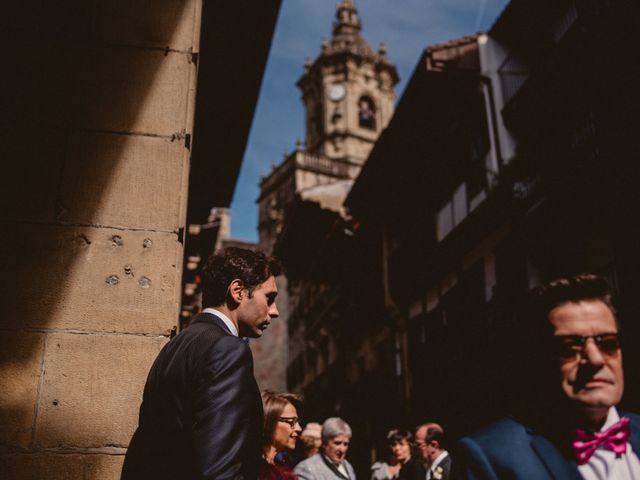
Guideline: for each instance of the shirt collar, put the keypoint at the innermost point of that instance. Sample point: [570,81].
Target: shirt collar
[612,417]
[232,328]
[438,460]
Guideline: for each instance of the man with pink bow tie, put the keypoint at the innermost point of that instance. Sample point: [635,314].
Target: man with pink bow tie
[574,430]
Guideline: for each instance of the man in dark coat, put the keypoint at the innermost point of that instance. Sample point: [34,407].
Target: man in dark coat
[573,429]
[430,442]
[201,414]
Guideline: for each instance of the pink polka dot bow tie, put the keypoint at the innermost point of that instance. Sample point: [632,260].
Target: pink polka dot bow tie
[615,438]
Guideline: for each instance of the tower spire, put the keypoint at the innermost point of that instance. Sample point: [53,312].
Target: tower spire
[347,19]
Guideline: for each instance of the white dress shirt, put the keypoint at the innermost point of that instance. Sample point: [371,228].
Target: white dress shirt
[224,318]
[604,465]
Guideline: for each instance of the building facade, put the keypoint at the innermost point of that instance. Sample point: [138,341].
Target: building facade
[522,174]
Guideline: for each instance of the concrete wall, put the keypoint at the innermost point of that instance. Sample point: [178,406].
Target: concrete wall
[95,121]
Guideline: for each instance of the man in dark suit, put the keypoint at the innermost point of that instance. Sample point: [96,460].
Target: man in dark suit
[573,429]
[201,414]
[430,442]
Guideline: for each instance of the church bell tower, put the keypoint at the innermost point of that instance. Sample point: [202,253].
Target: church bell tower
[348,93]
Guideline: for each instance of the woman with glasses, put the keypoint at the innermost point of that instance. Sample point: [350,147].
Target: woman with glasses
[281,429]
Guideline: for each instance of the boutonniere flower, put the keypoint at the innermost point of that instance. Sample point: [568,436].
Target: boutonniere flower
[437,473]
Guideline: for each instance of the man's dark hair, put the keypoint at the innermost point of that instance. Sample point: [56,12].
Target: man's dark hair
[536,334]
[221,268]
[545,298]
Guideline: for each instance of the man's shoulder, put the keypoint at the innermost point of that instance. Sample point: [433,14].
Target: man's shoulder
[504,445]
[309,462]
[634,417]
[205,341]
[209,329]
[635,427]
[208,321]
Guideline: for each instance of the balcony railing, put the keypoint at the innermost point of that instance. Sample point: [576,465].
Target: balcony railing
[322,164]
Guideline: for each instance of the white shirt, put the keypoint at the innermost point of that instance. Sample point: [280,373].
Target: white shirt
[604,465]
[232,328]
[341,468]
[434,465]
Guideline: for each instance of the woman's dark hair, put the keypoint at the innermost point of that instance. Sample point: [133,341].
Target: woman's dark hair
[397,435]
[221,268]
[273,404]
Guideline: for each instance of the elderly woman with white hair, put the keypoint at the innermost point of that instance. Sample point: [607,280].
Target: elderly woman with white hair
[330,462]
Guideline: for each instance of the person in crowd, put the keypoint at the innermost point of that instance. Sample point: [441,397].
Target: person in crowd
[431,442]
[330,463]
[201,416]
[400,444]
[281,429]
[575,430]
[311,439]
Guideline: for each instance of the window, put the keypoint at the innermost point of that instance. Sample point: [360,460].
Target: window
[367,113]
[459,204]
[444,221]
[317,120]
[453,212]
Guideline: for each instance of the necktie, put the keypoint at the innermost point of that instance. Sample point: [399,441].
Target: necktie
[615,438]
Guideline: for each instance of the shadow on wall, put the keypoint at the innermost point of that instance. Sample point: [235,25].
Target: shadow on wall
[96,103]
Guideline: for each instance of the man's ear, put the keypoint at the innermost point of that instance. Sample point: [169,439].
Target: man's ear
[237,290]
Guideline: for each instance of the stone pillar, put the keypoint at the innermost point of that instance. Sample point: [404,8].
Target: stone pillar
[95,122]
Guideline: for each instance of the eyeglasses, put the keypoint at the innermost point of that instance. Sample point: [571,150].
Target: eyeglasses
[571,346]
[292,421]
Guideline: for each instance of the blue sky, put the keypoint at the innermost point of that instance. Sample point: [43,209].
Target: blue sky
[406,27]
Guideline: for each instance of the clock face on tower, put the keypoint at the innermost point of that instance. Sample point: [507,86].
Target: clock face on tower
[336,92]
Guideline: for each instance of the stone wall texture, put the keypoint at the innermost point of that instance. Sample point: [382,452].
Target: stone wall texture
[95,121]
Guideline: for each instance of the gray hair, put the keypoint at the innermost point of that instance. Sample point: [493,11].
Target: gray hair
[334,426]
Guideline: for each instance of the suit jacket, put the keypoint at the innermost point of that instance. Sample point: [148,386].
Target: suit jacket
[201,414]
[318,467]
[509,449]
[445,465]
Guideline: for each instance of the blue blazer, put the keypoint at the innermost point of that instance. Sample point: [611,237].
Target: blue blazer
[201,415]
[509,449]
